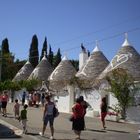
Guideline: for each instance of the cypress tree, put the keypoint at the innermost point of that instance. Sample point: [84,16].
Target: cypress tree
[50,55]
[7,62]
[57,58]
[33,52]
[5,46]
[44,49]
[88,53]
[75,63]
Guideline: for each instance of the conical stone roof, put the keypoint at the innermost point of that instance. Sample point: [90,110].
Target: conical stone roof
[42,70]
[62,74]
[96,63]
[24,72]
[127,58]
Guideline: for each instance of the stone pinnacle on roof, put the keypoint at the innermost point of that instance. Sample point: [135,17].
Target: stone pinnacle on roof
[126,43]
[96,49]
[44,57]
[64,58]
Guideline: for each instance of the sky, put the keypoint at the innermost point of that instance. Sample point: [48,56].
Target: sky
[68,23]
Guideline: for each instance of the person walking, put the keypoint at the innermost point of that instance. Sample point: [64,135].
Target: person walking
[16,109]
[48,117]
[23,118]
[103,108]
[85,106]
[4,100]
[23,98]
[43,99]
[78,118]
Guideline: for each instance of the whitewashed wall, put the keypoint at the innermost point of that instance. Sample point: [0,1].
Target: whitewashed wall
[18,95]
[63,103]
[112,101]
[94,100]
[92,97]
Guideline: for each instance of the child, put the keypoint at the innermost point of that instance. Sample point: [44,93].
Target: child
[16,109]
[23,118]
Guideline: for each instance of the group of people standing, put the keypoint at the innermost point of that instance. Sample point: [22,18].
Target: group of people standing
[34,98]
[79,112]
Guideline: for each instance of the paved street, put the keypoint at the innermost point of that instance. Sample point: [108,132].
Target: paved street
[115,131]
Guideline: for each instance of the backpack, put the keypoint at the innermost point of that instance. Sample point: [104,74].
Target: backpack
[55,112]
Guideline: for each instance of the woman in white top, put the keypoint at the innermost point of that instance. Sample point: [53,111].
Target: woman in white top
[48,116]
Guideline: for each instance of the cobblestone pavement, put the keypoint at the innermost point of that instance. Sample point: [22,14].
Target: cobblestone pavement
[115,131]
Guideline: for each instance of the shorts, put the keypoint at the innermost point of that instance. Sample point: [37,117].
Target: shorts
[24,123]
[50,119]
[17,112]
[4,104]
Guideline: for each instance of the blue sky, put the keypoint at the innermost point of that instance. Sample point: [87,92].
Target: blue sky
[68,23]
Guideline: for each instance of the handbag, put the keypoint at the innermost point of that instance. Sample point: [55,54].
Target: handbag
[71,118]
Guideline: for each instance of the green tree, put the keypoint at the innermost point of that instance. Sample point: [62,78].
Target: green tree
[1,87]
[5,46]
[122,87]
[33,52]
[7,62]
[88,53]
[30,85]
[18,64]
[44,49]
[7,67]
[50,55]
[75,63]
[57,58]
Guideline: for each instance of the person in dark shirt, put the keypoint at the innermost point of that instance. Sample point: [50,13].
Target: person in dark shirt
[103,111]
[85,106]
[23,98]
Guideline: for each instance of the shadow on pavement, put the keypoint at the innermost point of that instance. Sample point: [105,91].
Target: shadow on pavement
[33,134]
[118,131]
[72,139]
[6,132]
[95,130]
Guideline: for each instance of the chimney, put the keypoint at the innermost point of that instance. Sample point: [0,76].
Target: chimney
[83,56]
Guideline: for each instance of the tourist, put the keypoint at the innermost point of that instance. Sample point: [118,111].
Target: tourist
[78,118]
[103,111]
[43,98]
[85,105]
[48,117]
[30,99]
[16,109]
[23,98]
[4,100]
[23,118]
[34,99]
